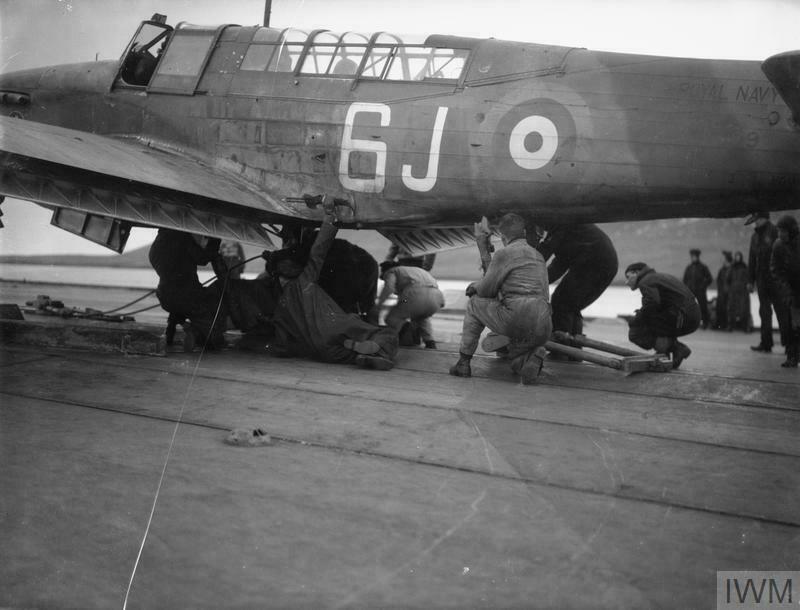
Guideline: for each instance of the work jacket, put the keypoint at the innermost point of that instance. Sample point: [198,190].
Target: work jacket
[662,292]
[398,279]
[175,256]
[516,270]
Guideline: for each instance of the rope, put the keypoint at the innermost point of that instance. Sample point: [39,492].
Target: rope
[171,445]
[148,293]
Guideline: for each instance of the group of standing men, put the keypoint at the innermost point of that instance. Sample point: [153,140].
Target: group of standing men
[771,271]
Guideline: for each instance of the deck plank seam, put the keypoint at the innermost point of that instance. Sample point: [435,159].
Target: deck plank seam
[464,469]
[457,409]
[667,396]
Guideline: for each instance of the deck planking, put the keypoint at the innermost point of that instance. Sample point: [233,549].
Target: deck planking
[407,488]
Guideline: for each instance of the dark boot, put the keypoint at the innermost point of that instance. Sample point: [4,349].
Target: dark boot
[374,361]
[531,367]
[367,347]
[792,353]
[172,323]
[462,368]
[406,335]
[680,352]
[189,337]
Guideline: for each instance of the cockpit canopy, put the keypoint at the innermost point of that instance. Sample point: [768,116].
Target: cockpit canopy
[380,56]
[166,59]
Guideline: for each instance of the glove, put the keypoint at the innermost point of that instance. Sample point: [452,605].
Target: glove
[471,290]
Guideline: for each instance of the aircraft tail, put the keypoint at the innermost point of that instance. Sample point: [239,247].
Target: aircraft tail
[783,71]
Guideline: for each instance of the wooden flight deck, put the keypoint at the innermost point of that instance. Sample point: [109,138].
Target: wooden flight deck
[406,488]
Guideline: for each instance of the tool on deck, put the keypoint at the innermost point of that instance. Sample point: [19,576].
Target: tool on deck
[629,361]
[44,305]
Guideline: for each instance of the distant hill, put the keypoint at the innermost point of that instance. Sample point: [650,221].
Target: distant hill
[664,244]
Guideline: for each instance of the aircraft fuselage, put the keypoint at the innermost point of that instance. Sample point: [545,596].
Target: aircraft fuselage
[558,134]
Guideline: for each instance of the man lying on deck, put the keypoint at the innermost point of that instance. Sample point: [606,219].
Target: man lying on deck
[309,323]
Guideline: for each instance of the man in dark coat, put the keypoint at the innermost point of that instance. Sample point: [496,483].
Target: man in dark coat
[586,255]
[738,314]
[698,278]
[175,257]
[764,236]
[349,274]
[309,323]
[723,288]
[669,310]
[785,269]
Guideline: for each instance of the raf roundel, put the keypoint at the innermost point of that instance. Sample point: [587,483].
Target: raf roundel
[545,148]
[533,136]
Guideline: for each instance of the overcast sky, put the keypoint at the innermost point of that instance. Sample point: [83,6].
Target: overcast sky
[42,32]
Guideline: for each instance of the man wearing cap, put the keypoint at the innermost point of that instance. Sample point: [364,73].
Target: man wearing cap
[785,269]
[764,236]
[698,278]
[669,310]
[418,298]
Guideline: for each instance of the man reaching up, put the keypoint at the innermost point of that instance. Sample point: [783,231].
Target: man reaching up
[512,299]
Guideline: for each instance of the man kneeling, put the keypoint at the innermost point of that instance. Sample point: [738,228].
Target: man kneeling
[669,310]
[512,299]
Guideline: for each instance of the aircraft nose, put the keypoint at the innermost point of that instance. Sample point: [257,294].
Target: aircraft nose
[21,80]
[16,88]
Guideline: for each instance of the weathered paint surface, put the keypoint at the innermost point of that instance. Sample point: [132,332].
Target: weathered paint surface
[551,132]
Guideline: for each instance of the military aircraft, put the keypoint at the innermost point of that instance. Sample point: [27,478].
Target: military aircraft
[233,131]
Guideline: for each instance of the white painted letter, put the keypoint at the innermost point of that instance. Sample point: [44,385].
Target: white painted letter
[364,185]
[533,159]
[426,183]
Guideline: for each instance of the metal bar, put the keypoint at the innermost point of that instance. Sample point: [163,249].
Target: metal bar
[612,363]
[584,341]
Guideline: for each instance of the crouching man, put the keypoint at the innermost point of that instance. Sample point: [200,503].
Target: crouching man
[418,298]
[309,323]
[669,310]
[175,256]
[512,299]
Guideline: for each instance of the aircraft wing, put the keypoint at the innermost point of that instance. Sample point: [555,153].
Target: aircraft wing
[132,181]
